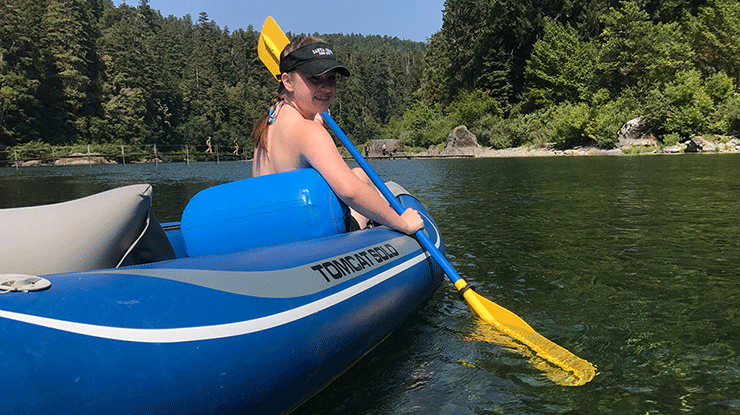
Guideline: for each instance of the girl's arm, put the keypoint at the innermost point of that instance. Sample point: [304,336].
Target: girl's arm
[318,148]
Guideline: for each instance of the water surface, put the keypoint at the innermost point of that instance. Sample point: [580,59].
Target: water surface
[629,262]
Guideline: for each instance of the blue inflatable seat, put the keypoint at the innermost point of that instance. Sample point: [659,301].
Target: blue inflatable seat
[261,211]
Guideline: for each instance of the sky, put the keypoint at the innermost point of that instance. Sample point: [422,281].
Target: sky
[415,20]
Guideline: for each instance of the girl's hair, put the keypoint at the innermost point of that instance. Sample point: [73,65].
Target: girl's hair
[259,132]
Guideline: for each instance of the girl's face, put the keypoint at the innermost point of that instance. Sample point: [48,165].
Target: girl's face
[311,94]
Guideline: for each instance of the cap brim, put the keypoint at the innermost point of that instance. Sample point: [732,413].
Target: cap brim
[321,66]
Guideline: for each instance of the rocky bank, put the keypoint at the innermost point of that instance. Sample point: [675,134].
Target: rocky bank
[463,143]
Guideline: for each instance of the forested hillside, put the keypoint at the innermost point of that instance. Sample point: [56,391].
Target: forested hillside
[513,71]
[84,71]
[573,72]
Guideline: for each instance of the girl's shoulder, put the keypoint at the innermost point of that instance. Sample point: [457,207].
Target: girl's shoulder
[303,130]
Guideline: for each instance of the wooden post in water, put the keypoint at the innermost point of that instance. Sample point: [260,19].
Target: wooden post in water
[123,156]
[155,155]
[187,155]
[89,162]
[15,156]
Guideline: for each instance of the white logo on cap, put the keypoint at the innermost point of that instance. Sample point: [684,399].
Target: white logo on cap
[323,52]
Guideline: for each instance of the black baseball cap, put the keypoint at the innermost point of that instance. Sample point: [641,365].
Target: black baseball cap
[313,59]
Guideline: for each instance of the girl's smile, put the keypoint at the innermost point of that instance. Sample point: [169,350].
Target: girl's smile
[324,86]
[312,94]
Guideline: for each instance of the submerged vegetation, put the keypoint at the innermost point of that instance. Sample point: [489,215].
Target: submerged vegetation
[516,73]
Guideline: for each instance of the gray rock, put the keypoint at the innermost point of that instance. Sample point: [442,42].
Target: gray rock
[703,145]
[391,147]
[461,137]
[632,135]
[672,149]
[630,130]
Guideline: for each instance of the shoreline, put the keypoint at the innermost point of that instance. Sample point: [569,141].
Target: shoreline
[468,147]
[523,151]
[549,150]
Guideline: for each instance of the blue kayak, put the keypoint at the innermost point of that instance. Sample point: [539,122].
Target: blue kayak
[152,327]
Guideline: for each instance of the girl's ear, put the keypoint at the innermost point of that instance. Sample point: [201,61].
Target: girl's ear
[287,81]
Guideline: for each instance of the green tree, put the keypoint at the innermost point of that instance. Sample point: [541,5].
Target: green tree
[715,33]
[434,79]
[470,106]
[687,105]
[607,115]
[69,28]
[20,75]
[561,67]
[666,11]
[637,53]
[424,125]
[129,74]
[125,113]
[488,43]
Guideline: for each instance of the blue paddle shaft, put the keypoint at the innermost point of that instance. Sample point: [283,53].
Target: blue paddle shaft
[420,235]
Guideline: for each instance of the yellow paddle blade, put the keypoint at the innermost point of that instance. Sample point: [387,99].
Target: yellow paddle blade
[570,371]
[272,41]
[506,328]
[557,363]
[490,311]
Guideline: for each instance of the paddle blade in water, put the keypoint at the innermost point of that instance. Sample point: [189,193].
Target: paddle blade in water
[505,327]
[557,363]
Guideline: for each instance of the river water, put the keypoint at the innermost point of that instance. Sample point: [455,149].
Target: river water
[632,263]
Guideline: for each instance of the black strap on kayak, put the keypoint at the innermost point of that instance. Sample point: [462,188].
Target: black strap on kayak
[465,288]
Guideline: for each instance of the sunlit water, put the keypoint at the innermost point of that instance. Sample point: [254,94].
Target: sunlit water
[629,262]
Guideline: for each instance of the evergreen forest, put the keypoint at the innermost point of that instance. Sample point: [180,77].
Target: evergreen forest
[515,72]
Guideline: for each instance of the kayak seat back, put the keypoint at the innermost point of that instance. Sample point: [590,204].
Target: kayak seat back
[105,230]
[261,211]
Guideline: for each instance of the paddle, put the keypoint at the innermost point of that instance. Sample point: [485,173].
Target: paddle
[271,42]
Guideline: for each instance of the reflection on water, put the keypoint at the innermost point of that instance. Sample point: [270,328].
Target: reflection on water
[629,262]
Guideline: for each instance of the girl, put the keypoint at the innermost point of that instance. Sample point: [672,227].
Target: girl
[292,136]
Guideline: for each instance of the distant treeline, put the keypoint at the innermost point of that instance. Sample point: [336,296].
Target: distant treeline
[515,72]
[85,71]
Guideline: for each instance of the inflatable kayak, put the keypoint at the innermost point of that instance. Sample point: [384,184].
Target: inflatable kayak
[253,303]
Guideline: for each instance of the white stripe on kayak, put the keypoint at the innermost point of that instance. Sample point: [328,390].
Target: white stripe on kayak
[185,334]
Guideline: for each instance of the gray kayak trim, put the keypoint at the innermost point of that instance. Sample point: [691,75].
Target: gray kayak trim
[305,279]
[217,331]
